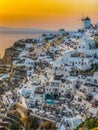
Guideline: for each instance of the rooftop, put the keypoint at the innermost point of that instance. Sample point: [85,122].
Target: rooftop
[87,18]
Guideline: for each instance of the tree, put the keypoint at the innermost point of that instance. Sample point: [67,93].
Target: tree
[33,123]
[89,124]
[13,127]
[48,126]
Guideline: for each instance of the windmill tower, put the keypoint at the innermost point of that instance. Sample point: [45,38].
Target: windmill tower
[87,23]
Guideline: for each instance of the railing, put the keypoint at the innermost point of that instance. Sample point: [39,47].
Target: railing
[44,118]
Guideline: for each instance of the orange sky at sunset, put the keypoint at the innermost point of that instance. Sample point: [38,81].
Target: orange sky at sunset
[47,14]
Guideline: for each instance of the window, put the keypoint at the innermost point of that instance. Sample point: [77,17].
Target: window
[95,81]
[57,84]
[52,84]
[62,91]
[47,83]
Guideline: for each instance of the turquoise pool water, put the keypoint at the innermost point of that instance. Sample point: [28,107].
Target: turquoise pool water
[51,102]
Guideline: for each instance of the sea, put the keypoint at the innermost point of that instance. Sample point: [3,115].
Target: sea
[7,38]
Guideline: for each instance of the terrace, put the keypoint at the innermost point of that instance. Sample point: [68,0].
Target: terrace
[80,55]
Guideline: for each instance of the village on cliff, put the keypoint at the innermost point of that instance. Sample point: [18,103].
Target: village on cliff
[54,77]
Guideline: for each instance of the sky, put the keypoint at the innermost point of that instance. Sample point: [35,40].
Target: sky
[47,14]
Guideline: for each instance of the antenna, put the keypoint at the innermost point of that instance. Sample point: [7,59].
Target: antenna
[82,19]
[0,54]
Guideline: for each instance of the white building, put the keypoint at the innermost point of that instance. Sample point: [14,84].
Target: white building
[81,61]
[39,94]
[86,46]
[62,32]
[53,87]
[69,123]
[27,89]
[82,57]
[60,85]
[68,85]
[95,78]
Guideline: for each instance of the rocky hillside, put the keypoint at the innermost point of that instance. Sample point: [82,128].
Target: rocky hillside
[11,53]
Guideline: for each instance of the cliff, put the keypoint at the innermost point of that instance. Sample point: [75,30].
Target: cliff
[10,54]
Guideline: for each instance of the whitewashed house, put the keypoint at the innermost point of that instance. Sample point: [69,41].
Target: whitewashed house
[53,87]
[82,57]
[86,46]
[39,94]
[68,85]
[69,123]
[81,61]
[95,78]
[59,85]
[62,32]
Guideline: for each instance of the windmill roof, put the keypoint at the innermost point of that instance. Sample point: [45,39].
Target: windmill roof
[87,18]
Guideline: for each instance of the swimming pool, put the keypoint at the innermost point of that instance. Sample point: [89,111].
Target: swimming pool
[51,102]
